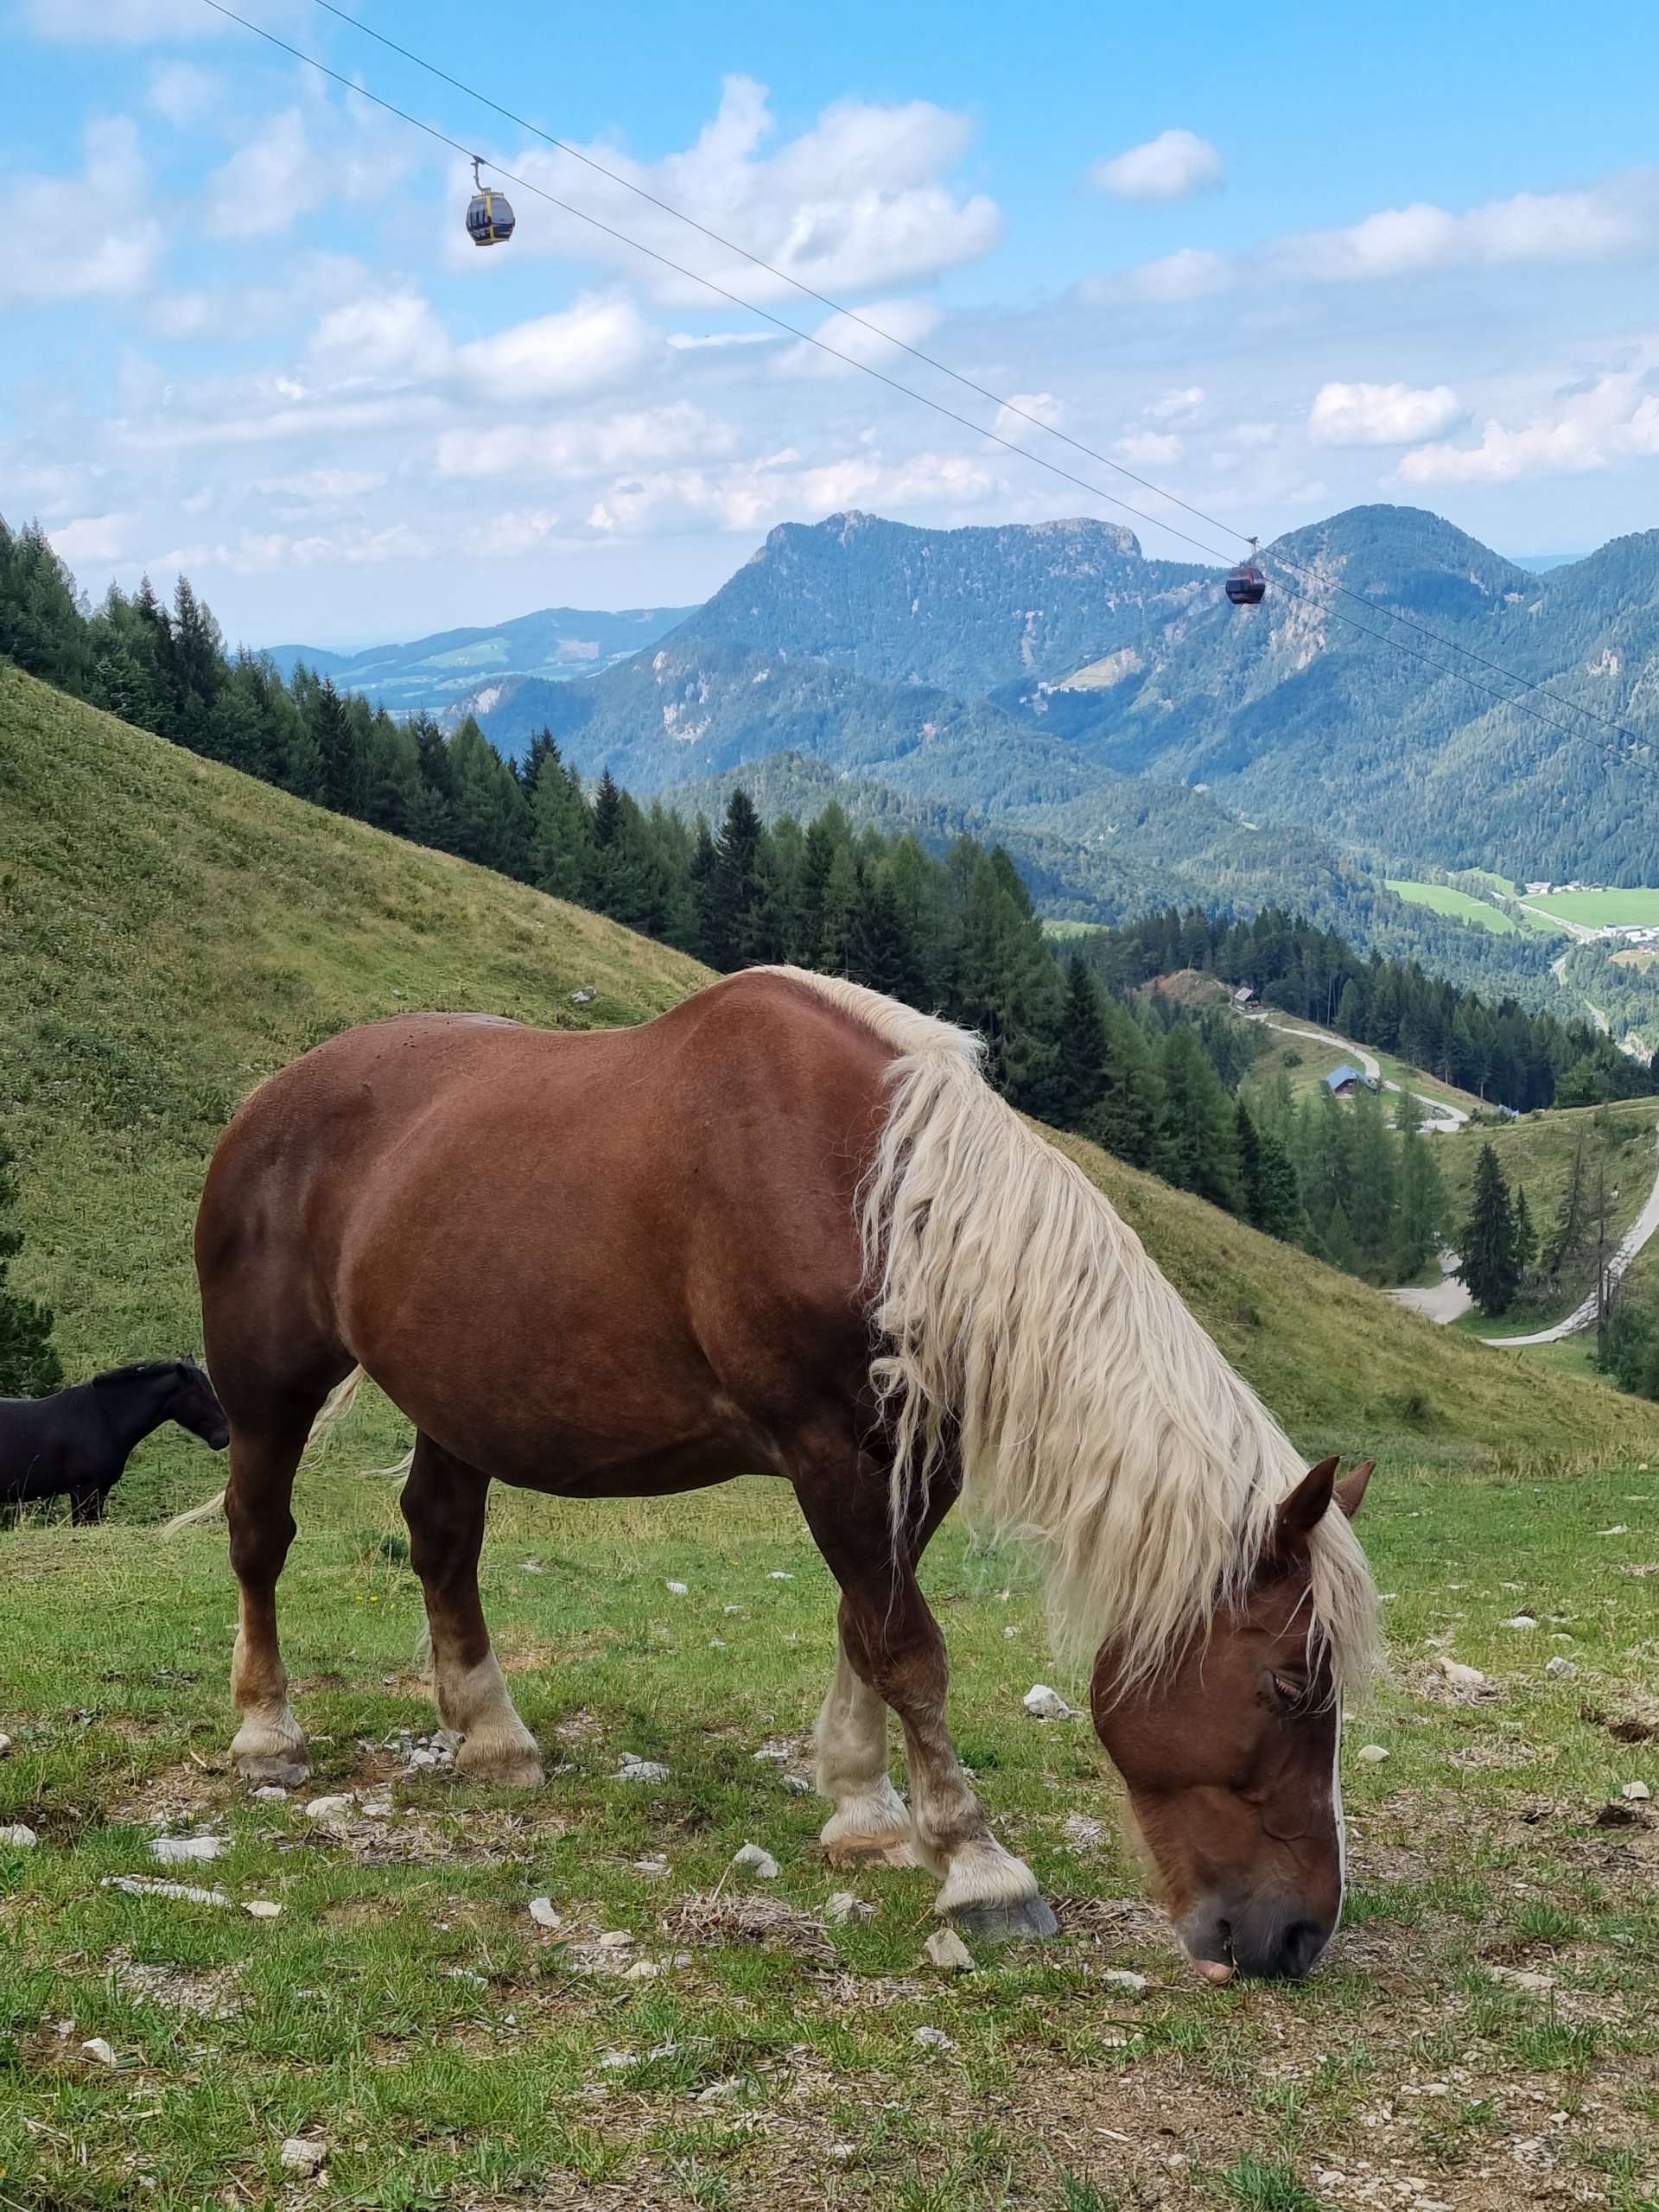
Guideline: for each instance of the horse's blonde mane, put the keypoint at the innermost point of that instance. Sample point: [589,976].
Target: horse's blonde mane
[1023,1325]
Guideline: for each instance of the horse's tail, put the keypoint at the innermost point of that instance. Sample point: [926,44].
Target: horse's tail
[336,1407]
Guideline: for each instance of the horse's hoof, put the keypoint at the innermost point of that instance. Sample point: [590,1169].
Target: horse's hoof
[289,1773]
[893,1850]
[1028,1920]
[516,1771]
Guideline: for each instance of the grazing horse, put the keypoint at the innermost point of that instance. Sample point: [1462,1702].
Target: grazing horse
[80,1440]
[788,1228]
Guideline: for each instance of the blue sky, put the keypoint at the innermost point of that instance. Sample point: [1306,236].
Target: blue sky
[1281,262]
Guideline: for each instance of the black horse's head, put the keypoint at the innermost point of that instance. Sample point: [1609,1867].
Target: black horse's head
[194,1405]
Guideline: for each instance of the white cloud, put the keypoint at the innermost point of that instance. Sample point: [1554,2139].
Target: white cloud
[854,204]
[652,438]
[1383,413]
[324,487]
[81,238]
[269,182]
[392,339]
[1150,448]
[685,341]
[1616,217]
[596,345]
[1174,165]
[1192,273]
[864,339]
[1023,410]
[94,537]
[1179,404]
[1616,419]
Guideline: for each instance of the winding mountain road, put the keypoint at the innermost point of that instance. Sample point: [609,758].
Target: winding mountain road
[1638,1234]
[1445,1117]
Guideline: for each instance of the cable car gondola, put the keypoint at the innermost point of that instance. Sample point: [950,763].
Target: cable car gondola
[489,218]
[1246,585]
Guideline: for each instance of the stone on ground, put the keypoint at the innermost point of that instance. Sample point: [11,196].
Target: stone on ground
[947,1951]
[764,1866]
[17,1837]
[301,2155]
[1043,1703]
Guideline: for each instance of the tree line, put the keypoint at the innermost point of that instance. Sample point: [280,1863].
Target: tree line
[1502,1053]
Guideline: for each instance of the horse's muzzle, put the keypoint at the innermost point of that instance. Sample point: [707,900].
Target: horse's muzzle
[1274,1942]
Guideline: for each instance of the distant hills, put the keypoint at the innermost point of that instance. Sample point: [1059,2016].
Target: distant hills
[559,642]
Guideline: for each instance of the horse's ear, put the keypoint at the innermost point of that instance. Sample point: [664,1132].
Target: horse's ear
[1307,1505]
[1351,1491]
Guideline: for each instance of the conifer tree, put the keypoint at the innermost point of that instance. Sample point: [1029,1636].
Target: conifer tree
[1489,1266]
[1128,1120]
[29,1366]
[1267,1175]
[1198,1119]
[1078,1082]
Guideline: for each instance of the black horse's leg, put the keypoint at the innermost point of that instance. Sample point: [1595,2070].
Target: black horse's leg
[444,1502]
[891,1644]
[86,1503]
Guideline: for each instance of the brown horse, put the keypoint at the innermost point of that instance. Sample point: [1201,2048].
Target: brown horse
[789,1228]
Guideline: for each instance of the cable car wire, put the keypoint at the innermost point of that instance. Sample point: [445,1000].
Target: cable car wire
[809,338]
[968,383]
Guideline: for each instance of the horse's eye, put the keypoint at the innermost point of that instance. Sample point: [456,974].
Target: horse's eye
[1288,1692]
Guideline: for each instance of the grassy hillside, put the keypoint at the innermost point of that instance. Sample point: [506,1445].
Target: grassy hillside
[171,931]
[1536,1154]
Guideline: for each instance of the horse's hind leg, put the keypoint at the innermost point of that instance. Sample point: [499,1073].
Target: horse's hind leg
[267,1746]
[444,1502]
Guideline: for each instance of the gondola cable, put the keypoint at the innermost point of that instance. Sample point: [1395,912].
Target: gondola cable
[1246,575]
[908,391]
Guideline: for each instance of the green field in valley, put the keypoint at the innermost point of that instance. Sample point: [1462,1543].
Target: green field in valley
[1461,905]
[1601,910]
[1483,2030]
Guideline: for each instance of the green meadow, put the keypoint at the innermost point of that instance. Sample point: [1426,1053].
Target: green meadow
[1601,910]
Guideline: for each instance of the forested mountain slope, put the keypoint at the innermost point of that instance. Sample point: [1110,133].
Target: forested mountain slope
[995,668]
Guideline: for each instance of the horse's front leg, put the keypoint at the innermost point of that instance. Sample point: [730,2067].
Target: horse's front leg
[892,1644]
[444,1501]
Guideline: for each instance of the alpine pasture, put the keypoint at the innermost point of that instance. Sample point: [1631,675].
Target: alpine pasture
[1482,2033]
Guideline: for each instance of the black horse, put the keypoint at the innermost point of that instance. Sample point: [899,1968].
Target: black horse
[80,1440]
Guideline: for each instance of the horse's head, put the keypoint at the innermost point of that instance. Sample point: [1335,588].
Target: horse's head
[196,1405]
[1230,1757]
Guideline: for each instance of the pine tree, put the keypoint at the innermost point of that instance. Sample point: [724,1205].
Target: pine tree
[1564,1253]
[1337,1241]
[1199,1118]
[1129,1121]
[1078,1082]
[1489,1267]
[734,886]
[1419,1207]
[1267,1175]
[29,1366]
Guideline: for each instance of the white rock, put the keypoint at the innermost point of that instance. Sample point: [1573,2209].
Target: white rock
[1124,1978]
[615,1939]
[653,1864]
[18,1837]
[96,2046]
[933,2039]
[948,1952]
[764,1866]
[542,1912]
[1045,1704]
[643,1970]
[1521,1978]
[718,1643]
[1520,1620]
[797,1785]
[844,1906]
[269,1793]
[262,1908]
[1461,1677]
[301,2155]
[676,1589]
[1373,1754]
[140,1886]
[1617,1529]
[1636,1793]
[180,1850]
[421,1762]
[779,1574]
[1562,1670]
[5,1745]
[614,2061]
[532,1566]
[329,1809]
[637,1770]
